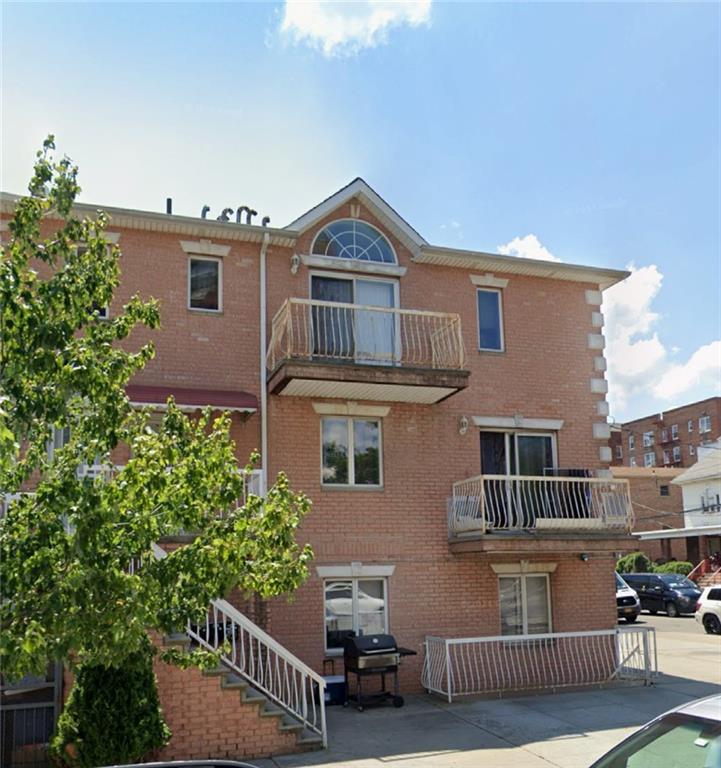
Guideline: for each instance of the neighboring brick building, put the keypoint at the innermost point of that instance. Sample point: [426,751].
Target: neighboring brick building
[657,504]
[668,439]
[402,378]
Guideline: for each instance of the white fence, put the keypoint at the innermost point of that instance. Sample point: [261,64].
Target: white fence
[308,329]
[478,665]
[519,502]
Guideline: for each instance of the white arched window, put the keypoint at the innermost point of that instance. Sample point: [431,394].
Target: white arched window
[352,239]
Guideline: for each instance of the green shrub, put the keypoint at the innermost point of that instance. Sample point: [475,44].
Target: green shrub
[636,562]
[112,714]
[675,566]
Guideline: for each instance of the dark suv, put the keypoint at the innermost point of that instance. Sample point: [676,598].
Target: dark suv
[667,592]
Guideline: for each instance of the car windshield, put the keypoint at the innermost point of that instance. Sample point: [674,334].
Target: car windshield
[675,741]
[677,582]
[620,583]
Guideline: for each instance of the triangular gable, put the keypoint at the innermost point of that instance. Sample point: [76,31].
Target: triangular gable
[378,206]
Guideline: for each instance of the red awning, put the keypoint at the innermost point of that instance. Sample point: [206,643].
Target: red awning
[192,399]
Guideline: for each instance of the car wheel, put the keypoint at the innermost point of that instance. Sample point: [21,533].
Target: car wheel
[652,611]
[671,609]
[631,619]
[711,624]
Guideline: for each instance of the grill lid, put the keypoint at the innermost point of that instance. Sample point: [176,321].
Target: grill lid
[368,645]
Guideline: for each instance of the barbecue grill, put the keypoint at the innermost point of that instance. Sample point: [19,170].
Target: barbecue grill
[368,655]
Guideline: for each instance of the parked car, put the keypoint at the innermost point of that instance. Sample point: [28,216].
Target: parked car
[627,601]
[708,610]
[686,737]
[667,592]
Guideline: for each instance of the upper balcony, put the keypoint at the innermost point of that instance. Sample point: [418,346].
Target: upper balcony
[557,507]
[360,352]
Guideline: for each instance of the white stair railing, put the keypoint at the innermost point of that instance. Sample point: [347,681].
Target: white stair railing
[253,655]
[505,663]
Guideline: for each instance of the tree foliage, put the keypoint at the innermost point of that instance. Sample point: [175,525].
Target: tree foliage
[636,562]
[67,588]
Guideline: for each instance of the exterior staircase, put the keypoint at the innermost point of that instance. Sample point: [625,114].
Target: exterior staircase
[261,670]
[709,579]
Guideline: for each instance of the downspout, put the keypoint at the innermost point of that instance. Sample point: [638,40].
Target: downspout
[263,368]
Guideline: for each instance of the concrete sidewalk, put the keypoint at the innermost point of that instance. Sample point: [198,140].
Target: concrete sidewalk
[566,730]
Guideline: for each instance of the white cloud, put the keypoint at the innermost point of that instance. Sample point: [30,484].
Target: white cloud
[528,247]
[345,28]
[703,368]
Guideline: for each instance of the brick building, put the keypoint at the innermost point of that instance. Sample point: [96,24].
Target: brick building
[668,439]
[445,410]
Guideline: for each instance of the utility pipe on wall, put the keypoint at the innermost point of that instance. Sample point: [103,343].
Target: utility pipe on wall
[263,371]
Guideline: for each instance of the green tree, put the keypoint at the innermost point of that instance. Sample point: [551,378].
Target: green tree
[67,591]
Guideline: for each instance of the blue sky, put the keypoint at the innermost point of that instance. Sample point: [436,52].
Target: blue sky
[588,130]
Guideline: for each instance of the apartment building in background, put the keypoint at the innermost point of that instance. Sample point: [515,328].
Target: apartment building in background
[444,409]
[668,439]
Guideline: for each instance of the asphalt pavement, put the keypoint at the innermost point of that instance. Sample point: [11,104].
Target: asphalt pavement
[561,730]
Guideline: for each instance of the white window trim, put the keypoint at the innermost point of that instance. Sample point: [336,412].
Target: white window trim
[676,453]
[195,257]
[652,463]
[691,449]
[491,423]
[632,462]
[351,484]
[674,431]
[632,442]
[648,439]
[355,570]
[707,421]
[352,279]
[355,220]
[352,265]
[499,291]
[666,457]
[524,599]
[619,451]
[355,614]
[689,426]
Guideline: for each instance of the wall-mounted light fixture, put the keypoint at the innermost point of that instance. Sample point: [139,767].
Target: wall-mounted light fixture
[294,263]
[584,556]
[463,425]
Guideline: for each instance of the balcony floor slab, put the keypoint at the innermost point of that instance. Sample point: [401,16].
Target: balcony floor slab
[536,543]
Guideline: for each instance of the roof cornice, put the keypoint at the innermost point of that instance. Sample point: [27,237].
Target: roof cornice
[515,265]
[171,223]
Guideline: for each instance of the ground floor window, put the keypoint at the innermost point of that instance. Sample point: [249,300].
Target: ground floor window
[525,602]
[354,606]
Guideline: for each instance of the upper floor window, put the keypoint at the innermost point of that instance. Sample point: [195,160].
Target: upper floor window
[647,439]
[691,449]
[351,451]
[690,425]
[666,457]
[704,424]
[649,459]
[632,461]
[631,442]
[664,435]
[205,283]
[619,452]
[353,239]
[490,320]
[674,431]
[677,453]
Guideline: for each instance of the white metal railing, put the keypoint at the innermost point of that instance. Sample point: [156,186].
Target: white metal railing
[309,329]
[265,664]
[519,502]
[477,665]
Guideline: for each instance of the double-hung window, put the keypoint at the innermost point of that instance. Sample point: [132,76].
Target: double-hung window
[647,439]
[351,451]
[689,426]
[525,602]
[354,606]
[205,283]
[666,457]
[649,459]
[631,442]
[632,461]
[677,453]
[691,449]
[704,424]
[674,431]
[619,452]
[490,320]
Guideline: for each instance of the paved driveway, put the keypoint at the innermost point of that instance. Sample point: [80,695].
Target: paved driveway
[566,730]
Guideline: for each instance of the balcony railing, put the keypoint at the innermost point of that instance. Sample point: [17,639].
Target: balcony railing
[489,503]
[335,332]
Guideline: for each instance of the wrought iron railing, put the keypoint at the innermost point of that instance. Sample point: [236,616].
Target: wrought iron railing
[519,502]
[327,331]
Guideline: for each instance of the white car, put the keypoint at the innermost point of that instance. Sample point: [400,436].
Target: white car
[627,602]
[708,610]
[686,737]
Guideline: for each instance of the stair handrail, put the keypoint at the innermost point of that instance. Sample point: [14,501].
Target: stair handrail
[296,702]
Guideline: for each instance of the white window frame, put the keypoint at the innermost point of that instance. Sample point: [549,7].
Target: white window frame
[677,453]
[649,462]
[195,257]
[691,449]
[648,439]
[499,291]
[514,434]
[395,263]
[706,422]
[632,462]
[619,451]
[666,457]
[524,600]
[351,453]
[689,426]
[664,435]
[674,432]
[354,608]
[632,442]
